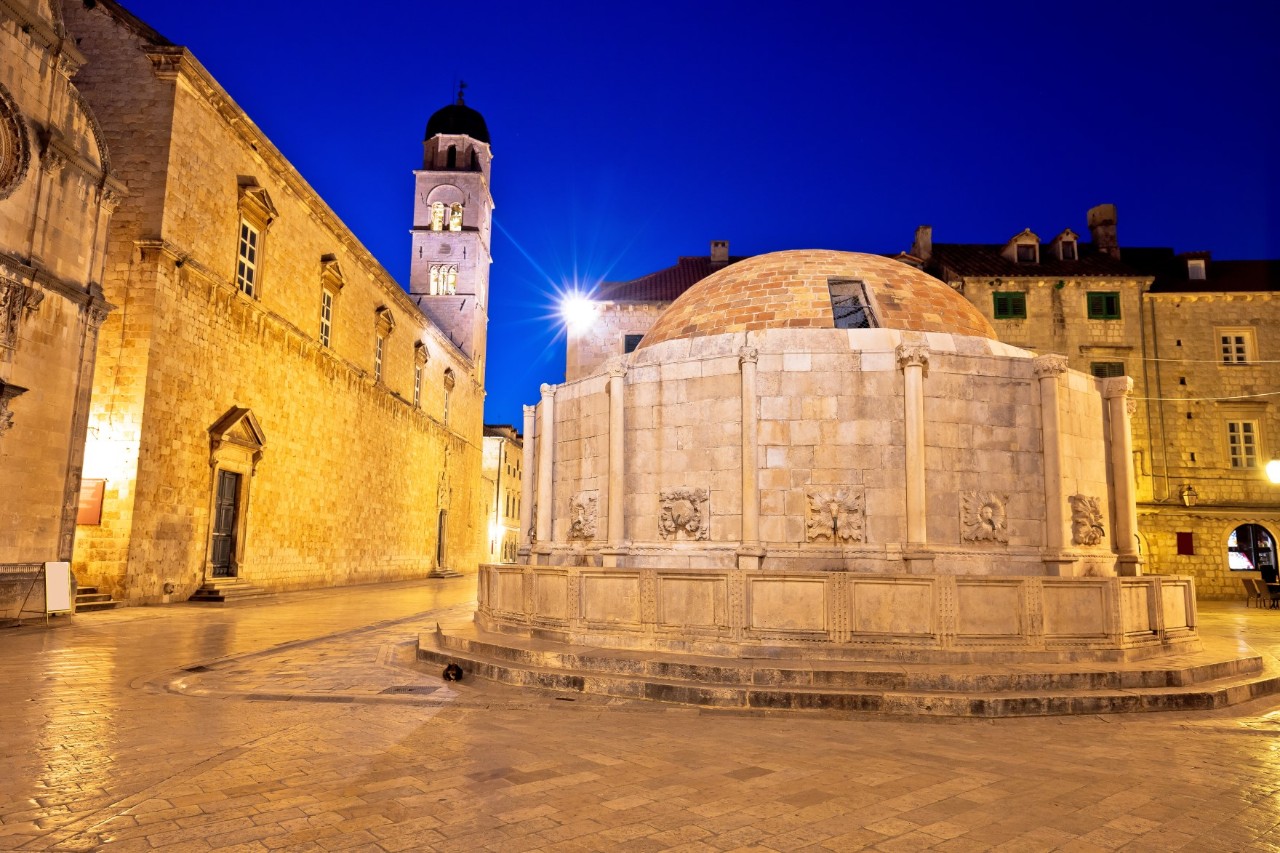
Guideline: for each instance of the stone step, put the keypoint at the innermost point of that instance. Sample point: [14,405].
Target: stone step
[83,597]
[223,590]
[1199,681]
[90,606]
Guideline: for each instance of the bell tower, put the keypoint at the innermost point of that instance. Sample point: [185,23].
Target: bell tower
[452,223]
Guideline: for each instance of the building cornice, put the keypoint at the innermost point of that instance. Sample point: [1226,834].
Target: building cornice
[176,63]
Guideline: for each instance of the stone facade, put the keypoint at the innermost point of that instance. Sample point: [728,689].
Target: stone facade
[503,469]
[587,350]
[57,193]
[297,424]
[1165,330]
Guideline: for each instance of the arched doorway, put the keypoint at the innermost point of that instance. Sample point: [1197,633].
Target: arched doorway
[1250,547]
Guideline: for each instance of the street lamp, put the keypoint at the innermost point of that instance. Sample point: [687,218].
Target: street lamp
[1189,495]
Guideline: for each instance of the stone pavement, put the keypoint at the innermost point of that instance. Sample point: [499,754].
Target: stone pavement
[303,723]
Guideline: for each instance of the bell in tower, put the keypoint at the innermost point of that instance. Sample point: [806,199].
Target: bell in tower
[452,222]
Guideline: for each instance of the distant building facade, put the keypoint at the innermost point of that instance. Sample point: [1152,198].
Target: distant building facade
[1190,331]
[57,193]
[269,405]
[503,470]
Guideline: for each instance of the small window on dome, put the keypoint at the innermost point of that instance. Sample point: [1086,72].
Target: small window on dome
[849,305]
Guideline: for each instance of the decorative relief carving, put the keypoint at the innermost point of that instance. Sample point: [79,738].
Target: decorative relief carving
[910,355]
[7,393]
[16,301]
[683,514]
[748,355]
[1086,520]
[15,145]
[584,510]
[1117,386]
[1049,365]
[983,517]
[834,515]
[1131,406]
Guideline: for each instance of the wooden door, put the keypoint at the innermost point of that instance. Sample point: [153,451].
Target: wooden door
[225,510]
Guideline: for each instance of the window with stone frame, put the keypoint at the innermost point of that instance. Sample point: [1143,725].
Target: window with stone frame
[1067,250]
[1236,346]
[630,342]
[1103,305]
[1242,443]
[448,392]
[1010,305]
[247,259]
[1106,369]
[384,324]
[331,283]
[256,215]
[850,306]
[1028,253]
[419,368]
[444,279]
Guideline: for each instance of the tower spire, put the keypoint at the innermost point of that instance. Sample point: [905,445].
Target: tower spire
[462,84]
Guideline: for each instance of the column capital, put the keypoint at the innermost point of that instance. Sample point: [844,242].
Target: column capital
[1049,366]
[748,355]
[617,368]
[912,355]
[548,390]
[530,411]
[1117,386]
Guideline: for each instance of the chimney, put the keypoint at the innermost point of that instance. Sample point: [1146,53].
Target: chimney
[922,248]
[1102,225]
[719,253]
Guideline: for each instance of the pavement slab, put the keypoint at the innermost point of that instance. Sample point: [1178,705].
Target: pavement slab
[304,722]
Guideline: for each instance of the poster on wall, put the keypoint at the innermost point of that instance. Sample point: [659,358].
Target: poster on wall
[90,509]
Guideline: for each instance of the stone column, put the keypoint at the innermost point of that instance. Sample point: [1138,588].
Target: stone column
[546,473]
[1116,391]
[913,358]
[615,547]
[750,551]
[1047,369]
[528,476]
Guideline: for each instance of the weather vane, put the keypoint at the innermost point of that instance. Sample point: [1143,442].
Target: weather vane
[462,84]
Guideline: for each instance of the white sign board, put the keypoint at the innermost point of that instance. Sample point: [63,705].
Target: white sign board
[57,587]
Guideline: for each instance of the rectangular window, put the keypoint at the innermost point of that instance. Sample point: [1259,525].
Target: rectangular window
[849,305]
[326,316]
[1068,250]
[417,384]
[247,262]
[630,342]
[1027,253]
[377,359]
[1009,306]
[1242,443]
[1106,369]
[1104,306]
[1195,269]
[1186,544]
[1235,345]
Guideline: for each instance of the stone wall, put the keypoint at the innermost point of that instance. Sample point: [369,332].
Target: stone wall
[830,428]
[56,196]
[586,351]
[352,475]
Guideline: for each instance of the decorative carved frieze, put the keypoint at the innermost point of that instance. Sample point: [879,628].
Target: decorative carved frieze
[1086,520]
[983,517]
[17,300]
[584,510]
[15,145]
[834,515]
[682,514]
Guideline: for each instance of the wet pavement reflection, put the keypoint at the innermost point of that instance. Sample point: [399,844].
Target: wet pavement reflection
[303,722]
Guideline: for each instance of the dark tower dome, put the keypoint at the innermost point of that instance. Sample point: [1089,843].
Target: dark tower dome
[458,119]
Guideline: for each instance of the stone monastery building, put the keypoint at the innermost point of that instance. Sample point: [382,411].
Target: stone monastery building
[270,409]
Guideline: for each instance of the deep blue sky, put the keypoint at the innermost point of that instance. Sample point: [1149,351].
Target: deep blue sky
[626,135]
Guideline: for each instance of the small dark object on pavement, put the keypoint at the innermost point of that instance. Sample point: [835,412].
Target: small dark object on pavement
[453,672]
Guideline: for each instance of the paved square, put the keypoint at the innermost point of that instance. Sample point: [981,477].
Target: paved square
[303,723]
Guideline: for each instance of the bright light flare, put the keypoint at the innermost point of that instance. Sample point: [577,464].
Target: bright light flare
[579,312]
[1273,470]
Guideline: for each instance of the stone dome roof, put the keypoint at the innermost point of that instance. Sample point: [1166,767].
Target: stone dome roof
[788,290]
[458,119]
